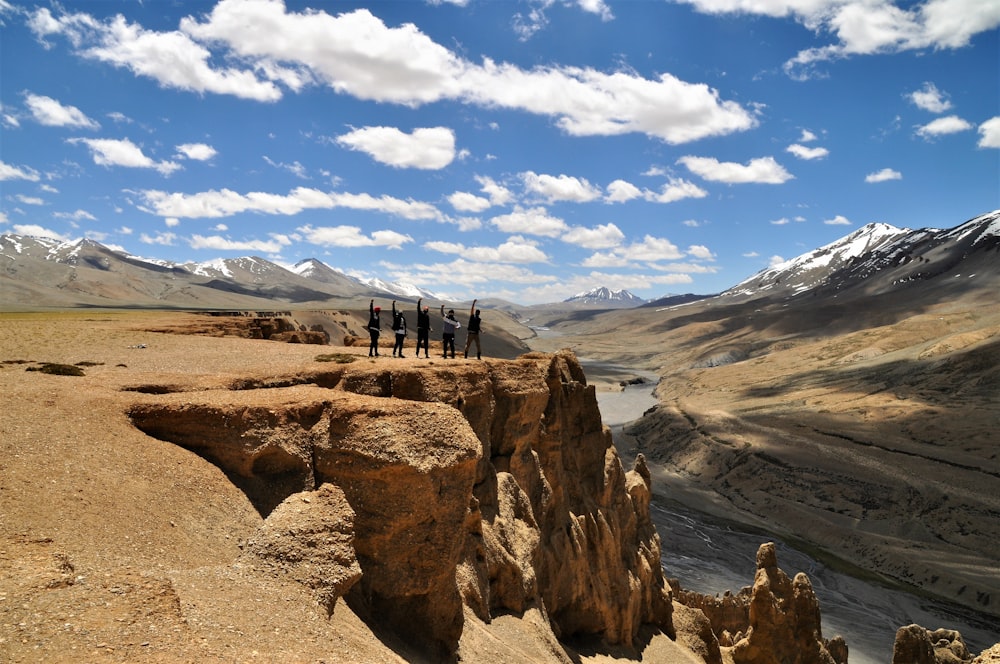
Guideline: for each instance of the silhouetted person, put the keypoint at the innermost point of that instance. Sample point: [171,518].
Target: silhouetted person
[399,327]
[374,328]
[423,328]
[475,325]
[448,331]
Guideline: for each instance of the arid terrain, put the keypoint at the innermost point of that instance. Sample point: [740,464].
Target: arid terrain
[117,546]
[868,435]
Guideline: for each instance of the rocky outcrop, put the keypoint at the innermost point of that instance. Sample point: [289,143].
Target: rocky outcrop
[776,621]
[917,645]
[490,485]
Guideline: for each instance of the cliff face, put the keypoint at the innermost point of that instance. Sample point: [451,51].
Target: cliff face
[492,486]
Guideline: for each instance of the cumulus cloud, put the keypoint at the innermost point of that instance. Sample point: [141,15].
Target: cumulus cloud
[764,170]
[515,249]
[554,188]
[531,221]
[621,191]
[427,148]
[466,202]
[676,189]
[803,152]
[951,124]
[356,53]
[602,236]
[29,200]
[226,203]
[34,230]
[497,193]
[700,252]
[196,151]
[649,250]
[165,239]
[883,175]
[807,136]
[11,172]
[271,246]
[122,152]
[49,112]
[862,27]
[929,98]
[839,220]
[351,237]
[989,133]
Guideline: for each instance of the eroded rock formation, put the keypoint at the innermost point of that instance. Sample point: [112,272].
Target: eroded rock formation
[777,620]
[917,645]
[491,485]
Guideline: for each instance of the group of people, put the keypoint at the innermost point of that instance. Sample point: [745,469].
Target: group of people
[449,325]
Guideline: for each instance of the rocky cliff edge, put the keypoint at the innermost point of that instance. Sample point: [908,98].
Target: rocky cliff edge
[414,493]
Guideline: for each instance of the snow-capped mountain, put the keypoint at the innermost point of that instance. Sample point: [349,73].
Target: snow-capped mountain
[401,289]
[602,296]
[879,258]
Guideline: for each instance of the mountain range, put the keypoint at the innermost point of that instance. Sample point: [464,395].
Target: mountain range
[877,258]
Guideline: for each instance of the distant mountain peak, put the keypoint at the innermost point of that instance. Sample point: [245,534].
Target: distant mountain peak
[606,296]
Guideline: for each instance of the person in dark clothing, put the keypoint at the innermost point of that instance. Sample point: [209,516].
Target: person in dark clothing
[448,331]
[423,328]
[399,327]
[374,328]
[475,325]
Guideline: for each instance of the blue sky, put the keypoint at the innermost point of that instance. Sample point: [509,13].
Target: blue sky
[527,150]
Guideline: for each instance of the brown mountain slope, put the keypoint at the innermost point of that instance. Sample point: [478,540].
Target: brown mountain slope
[864,428]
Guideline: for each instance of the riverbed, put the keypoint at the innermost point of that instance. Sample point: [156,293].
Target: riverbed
[711,556]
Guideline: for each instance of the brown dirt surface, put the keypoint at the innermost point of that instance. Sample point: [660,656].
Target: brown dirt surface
[118,547]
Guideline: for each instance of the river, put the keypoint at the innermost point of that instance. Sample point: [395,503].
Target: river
[710,556]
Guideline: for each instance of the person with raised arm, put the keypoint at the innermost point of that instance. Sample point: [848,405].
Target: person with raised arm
[474,327]
[423,328]
[399,328]
[448,331]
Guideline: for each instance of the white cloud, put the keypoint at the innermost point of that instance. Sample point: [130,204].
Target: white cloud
[621,191]
[9,172]
[603,236]
[29,200]
[775,260]
[122,152]
[784,221]
[560,187]
[515,249]
[807,136]
[700,252]
[649,250]
[989,133]
[838,220]
[173,59]
[951,124]
[863,27]
[427,148]
[676,189]
[763,170]
[803,152]
[532,221]
[357,54]
[498,194]
[929,98]
[77,215]
[884,175]
[271,246]
[165,239]
[197,151]
[226,203]
[35,230]
[351,236]
[49,112]
[172,222]
[295,168]
[466,202]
